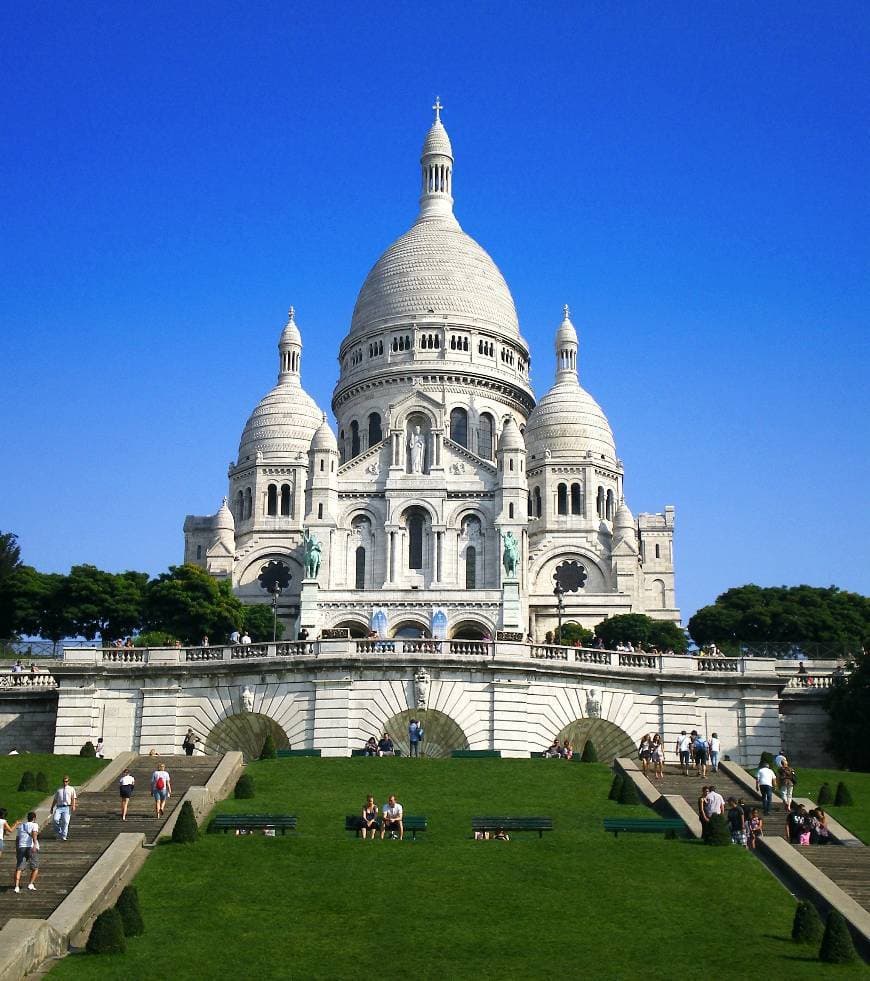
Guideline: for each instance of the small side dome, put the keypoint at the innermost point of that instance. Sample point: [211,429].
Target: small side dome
[324,438]
[511,438]
[566,334]
[437,141]
[290,334]
[223,520]
[623,524]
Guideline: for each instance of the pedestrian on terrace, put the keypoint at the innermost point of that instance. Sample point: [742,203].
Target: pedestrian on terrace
[5,828]
[787,780]
[161,789]
[63,806]
[126,785]
[657,755]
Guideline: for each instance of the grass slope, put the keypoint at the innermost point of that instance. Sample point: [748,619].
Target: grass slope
[54,767]
[857,817]
[322,904]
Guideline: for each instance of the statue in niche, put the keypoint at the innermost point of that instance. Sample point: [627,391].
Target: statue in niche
[312,554]
[416,448]
[421,687]
[511,555]
[593,704]
[247,700]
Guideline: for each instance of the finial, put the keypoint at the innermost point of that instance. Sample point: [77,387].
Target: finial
[291,313]
[566,312]
[437,107]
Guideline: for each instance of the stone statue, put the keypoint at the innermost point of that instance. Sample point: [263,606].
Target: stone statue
[593,705]
[312,554]
[511,555]
[247,700]
[421,687]
[416,446]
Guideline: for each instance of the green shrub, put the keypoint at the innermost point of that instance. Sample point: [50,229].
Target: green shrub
[245,787]
[807,926]
[766,760]
[268,750]
[825,796]
[42,782]
[716,831]
[27,781]
[129,911]
[842,798]
[154,638]
[185,830]
[837,946]
[107,934]
[88,749]
[589,753]
[616,786]
[628,792]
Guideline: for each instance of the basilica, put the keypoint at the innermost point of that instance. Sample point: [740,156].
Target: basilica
[447,501]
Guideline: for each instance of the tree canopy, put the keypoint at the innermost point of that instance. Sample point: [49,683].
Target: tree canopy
[188,603]
[106,603]
[639,629]
[848,712]
[10,554]
[259,623]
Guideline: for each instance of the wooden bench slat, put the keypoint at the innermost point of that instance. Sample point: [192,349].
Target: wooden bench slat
[411,822]
[229,822]
[643,825]
[539,824]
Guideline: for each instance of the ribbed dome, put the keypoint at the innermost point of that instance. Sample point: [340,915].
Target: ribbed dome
[282,424]
[435,268]
[511,438]
[437,141]
[569,423]
[223,519]
[623,524]
[324,437]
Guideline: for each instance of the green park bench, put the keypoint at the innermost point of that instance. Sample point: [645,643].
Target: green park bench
[413,823]
[468,754]
[283,753]
[644,825]
[252,822]
[493,824]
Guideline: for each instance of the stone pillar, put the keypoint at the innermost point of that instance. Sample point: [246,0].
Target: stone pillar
[309,610]
[331,716]
[78,717]
[510,722]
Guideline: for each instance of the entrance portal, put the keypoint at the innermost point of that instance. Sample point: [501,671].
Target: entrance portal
[441,735]
[245,732]
[608,739]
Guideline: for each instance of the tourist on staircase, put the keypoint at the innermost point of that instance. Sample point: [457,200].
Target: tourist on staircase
[62,808]
[27,852]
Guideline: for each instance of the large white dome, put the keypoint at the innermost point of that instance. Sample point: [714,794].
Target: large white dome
[569,423]
[283,423]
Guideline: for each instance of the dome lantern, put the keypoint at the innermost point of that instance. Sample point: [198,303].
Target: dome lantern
[566,349]
[289,350]
[436,161]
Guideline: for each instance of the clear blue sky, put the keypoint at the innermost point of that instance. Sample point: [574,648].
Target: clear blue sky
[691,179]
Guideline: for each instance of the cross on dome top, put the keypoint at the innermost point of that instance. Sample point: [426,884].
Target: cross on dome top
[566,313]
[291,313]
[437,107]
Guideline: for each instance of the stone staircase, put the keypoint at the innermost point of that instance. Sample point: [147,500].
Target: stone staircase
[92,829]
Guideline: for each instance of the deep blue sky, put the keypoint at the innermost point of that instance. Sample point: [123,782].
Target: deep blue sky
[691,179]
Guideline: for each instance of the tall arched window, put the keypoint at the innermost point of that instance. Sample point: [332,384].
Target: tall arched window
[415,539]
[375,432]
[249,503]
[240,506]
[354,439]
[510,510]
[285,500]
[608,506]
[485,430]
[599,502]
[471,567]
[576,499]
[459,426]
[360,577]
[537,502]
[342,448]
[562,499]
[271,500]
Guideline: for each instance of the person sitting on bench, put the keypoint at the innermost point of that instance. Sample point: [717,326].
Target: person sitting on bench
[371,747]
[393,814]
[385,745]
[369,821]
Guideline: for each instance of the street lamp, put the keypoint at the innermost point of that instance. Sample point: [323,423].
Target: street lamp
[276,592]
[559,592]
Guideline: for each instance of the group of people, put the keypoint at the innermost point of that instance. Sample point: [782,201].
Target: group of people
[694,750]
[744,822]
[236,637]
[389,821]
[559,751]
[807,827]
[386,747]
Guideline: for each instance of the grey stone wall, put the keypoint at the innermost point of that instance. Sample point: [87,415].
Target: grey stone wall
[27,721]
[804,725]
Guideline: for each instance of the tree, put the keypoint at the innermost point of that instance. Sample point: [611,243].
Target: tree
[716,831]
[572,632]
[268,752]
[105,603]
[639,629]
[244,787]
[590,754]
[185,830]
[10,554]
[107,934]
[259,622]
[837,946]
[31,603]
[848,706]
[807,925]
[130,912]
[188,603]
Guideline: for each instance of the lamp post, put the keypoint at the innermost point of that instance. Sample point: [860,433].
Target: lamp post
[558,592]
[276,592]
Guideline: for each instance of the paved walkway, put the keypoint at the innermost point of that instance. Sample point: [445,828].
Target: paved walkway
[92,829]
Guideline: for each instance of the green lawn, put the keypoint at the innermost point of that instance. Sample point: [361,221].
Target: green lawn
[579,903]
[18,804]
[857,817]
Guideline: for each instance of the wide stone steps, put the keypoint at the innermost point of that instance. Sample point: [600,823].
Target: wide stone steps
[93,828]
[849,868]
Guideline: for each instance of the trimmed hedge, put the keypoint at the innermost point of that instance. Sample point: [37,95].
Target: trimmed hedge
[42,782]
[268,751]
[628,792]
[837,946]
[107,934]
[185,830]
[843,798]
[27,781]
[825,796]
[88,749]
[244,787]
[766,760]
[616,786]
[807,927]
[130,912]
[590,754]
[716,831]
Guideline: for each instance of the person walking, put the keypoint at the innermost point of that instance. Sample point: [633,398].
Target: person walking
[682,749]
[414,737]
[161,788]
[126,785]
[5,828]
[787,780]
[27,852]
[189,744]
[764,781]
[63,806]
[715,747]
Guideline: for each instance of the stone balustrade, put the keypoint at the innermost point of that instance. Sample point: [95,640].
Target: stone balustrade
[26,680]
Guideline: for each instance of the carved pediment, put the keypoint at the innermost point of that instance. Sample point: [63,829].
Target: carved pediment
[415,399]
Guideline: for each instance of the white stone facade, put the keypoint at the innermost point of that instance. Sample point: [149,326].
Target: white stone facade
[441,451]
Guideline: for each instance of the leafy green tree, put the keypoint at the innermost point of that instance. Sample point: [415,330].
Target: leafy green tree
[837,946]
[107,934]
[572,632]
[848,711]
[259,621]
[637,628]
[105,603]
[31,603]
[188,603]
[10,554]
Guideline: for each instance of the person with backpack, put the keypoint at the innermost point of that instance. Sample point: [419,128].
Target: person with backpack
[700,748]
[161,788]
[27,852]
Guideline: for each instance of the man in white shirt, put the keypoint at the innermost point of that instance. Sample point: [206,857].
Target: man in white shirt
[246,638]
[27,851]
[714,802]
[683,744]
[393,815]
[235,637]
[63,807]
[764,781]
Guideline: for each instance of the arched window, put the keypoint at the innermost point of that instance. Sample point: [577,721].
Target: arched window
[240,506]
[271,500]
[375,432]
[562,499]
[576,499]
[599,502]
[459,426]
[320,510]
[658,592]
[658,552]
[609,505]
[249,503]
[354,439]
[510,510]
[285,500]
[360,579]
[537,502]
[342,448]
[530,506]
[415,540]
[485,430]
[471,567]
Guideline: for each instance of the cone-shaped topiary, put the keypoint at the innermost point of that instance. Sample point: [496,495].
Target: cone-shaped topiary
[589,753]
[42,782]
[616,786]
[837,946]
[245,787]
[807,926]
[716,831]
[628,792]
[268,750]
[825,796]
[27,781]
[842,798]
[88,749]
[766,760]
[185,830]
[107,934]
[130,913]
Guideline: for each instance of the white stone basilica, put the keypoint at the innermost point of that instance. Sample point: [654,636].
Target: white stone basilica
[442,452]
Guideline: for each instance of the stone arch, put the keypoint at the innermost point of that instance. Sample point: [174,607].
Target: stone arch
[408,623]
[471,627]
[608,739]
[248,574]
[401,507]
[245,732]
[542,571]
[441,734]
[358,627]
[416,408]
